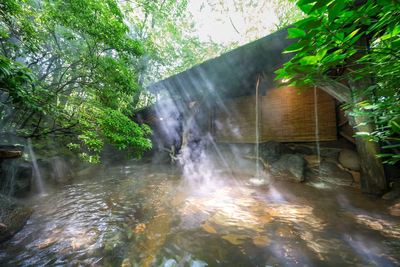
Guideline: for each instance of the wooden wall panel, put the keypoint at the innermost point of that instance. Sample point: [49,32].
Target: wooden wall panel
[285,116]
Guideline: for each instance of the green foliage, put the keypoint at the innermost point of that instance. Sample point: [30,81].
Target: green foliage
[167,28]
[122,131]
[67,69]
[350,42]
[385,114]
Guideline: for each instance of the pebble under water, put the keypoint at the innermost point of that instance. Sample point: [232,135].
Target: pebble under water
[145,215]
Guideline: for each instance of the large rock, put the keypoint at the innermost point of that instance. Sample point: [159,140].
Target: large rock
[330,172]
[15,177]
[289,167]
[5,154]
[349,159]
[13,217]
[10,151]
[272,151]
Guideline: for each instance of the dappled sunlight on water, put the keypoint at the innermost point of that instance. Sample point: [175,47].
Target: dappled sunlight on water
[144,215]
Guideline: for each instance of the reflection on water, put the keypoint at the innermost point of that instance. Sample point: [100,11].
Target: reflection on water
[141,215]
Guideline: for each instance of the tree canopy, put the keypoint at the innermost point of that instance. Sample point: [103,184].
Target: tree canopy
[75,70]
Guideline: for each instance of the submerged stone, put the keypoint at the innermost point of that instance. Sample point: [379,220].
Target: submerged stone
[261,241]
[208,228]
[235,239]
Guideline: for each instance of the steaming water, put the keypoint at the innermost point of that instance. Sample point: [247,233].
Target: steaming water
[257,180]
[144,215]
[37,175]
[257,131]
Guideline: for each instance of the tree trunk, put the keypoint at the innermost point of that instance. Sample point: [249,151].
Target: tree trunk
[373,180]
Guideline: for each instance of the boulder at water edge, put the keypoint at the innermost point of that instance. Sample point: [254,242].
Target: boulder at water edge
[330,172]
[13,217]
[15,177]
[272,151]
[349,159]
[289,167]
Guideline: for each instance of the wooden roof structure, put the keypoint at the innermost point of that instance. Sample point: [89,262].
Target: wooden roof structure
[232,74]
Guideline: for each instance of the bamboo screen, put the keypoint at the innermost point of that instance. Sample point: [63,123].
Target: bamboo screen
[284,116]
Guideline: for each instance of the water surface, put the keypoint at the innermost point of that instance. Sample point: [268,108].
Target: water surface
[146,215]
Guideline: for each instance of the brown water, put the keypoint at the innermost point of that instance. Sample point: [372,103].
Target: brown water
[143,215]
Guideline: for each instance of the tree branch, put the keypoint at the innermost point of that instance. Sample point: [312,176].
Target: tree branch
[334,88]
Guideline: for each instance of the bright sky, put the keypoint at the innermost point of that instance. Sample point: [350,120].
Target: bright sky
[251,23]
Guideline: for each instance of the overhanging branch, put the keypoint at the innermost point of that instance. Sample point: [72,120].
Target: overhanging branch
[336,89]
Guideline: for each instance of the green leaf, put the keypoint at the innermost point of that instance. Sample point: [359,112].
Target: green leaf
[320,5]
[351,35]
[394,125]
[363,134]
[392,146]
[309,60]
[306,8]
[296,33]
[321,53]
[335,9]
[308,23]
[391,34]
[294,48]
[305,2]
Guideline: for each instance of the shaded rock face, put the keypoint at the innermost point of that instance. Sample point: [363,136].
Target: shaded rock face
[15,177]
[272,151]
[13,217]
[349,159]
[290,167]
